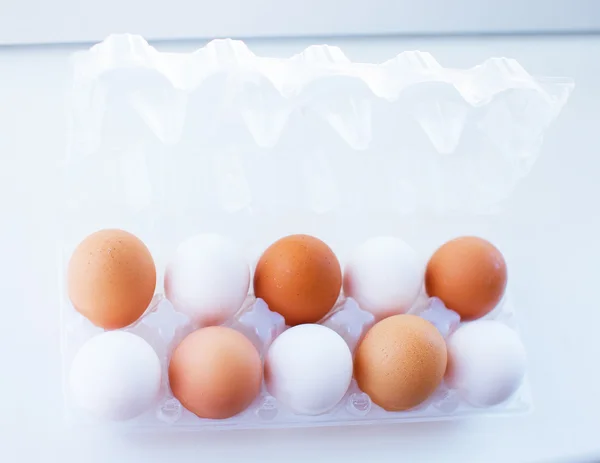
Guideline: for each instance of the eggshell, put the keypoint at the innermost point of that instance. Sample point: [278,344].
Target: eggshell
[215,372]
[486,362]
[115,375]
[111,278]
[400,362]
[469,275]
[207,279]
[298,277]
[384,276]
[309,369]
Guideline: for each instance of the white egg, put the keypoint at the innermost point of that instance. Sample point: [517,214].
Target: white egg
[115,375]
[486,362]
[309,369]
[207,279]
[384,275]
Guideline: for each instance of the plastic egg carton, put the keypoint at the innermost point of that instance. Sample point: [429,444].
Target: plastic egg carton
[168,145]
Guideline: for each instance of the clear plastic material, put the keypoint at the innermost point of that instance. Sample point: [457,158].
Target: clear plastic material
[168,145]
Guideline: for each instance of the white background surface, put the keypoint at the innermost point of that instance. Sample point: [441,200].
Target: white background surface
[67,21]
[555,230]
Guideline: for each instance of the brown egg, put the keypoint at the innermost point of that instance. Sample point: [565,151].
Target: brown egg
[215,372]
[468,274]
[400,362]
[111,278]
[299,277]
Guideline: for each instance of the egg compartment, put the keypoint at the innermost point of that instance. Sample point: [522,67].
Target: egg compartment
[164,328]
[168,145]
